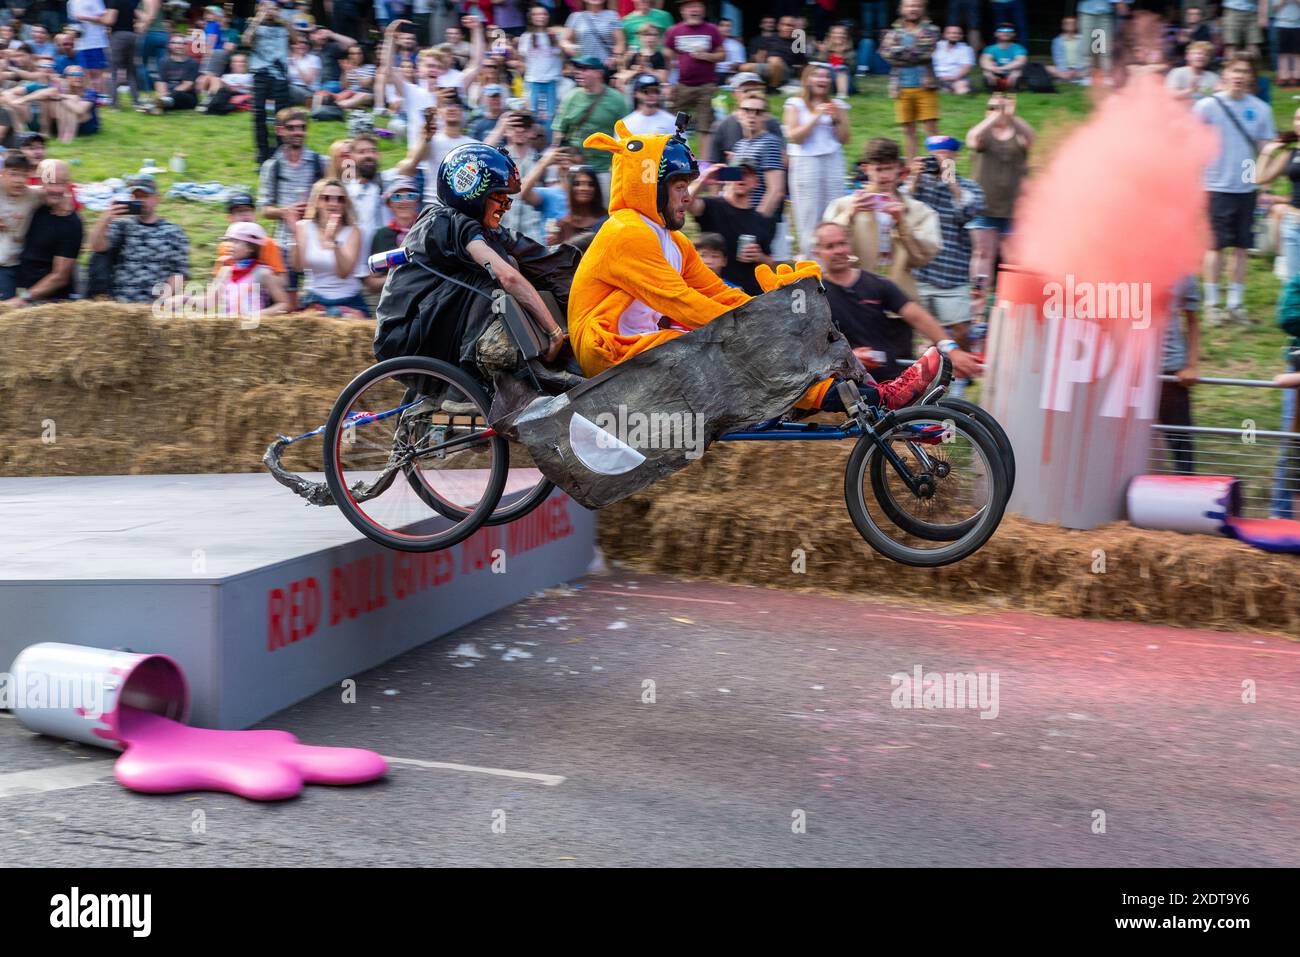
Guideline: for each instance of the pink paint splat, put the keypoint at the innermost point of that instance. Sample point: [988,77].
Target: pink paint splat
[163,756]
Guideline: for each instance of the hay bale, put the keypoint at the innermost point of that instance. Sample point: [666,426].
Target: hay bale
[742,511]
[126,391]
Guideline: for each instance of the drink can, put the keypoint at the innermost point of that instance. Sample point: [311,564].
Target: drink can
[382,262]
[744,240]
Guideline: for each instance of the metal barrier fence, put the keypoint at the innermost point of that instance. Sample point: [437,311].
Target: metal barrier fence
[1267,461]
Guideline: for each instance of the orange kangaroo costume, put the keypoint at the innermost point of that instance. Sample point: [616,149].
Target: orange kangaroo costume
[639,283]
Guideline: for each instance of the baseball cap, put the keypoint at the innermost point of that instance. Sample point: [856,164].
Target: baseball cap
[1005,28]
[142,181]
[745,162]
[235,200]
[644,80]
[402,184]
[743,79]
[32,136]
[950,143]
[588,63]
[246,233]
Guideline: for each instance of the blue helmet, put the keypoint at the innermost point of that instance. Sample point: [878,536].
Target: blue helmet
[469,173]
[675,160]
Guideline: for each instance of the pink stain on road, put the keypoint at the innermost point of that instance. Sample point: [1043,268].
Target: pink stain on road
[163,756]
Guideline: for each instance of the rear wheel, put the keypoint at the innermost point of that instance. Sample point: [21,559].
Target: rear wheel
[405,473]
[936,496]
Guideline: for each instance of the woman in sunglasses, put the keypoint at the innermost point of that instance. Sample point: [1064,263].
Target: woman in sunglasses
[328,252]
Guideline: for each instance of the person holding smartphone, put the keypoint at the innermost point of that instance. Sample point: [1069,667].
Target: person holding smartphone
[745,231]
[152,256]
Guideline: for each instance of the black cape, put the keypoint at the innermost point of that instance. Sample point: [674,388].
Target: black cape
[421,314]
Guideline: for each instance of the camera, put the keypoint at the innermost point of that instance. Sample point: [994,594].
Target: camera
[930,165]
[134,207]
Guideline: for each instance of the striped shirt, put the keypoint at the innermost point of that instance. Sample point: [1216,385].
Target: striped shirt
[951,266]
[767,152]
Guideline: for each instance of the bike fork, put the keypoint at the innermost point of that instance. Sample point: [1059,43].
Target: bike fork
[871,421]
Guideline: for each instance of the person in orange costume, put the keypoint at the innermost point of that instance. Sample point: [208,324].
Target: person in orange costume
[641,282]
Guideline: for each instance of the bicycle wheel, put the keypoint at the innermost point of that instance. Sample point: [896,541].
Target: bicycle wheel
[525,488]
[994,428]
[959,483]
[389,423]
[922,526]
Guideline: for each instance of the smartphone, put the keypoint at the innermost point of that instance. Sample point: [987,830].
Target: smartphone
[730,174]
[134,207]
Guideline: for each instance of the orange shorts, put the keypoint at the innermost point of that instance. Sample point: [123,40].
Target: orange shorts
[916,105]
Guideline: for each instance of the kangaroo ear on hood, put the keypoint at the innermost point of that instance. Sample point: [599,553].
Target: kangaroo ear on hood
[603,141]
[621,130]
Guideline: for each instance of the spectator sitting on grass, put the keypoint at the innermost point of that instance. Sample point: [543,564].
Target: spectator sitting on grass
[152,256]
[356,82]
[713,253]
[953,62]
[1004,61]
[178,77]
[1070,59]
[241,209]
[229,91]
[72,112]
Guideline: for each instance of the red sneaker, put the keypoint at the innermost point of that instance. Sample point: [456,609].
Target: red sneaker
[917,379]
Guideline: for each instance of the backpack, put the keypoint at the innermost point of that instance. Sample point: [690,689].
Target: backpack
[1037,79]
[318,170]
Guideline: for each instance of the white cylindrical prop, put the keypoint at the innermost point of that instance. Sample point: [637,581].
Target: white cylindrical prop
[1072,376]
[75,692]
[1184,503]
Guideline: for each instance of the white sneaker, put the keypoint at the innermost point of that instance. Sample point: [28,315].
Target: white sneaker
[1214,316]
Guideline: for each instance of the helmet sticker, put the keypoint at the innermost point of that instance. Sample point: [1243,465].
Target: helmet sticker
[468,179]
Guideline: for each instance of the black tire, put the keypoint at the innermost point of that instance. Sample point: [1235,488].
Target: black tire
[977,530]
[994,428]
[466,522]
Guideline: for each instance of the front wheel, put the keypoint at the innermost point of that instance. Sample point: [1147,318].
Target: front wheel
[930,469]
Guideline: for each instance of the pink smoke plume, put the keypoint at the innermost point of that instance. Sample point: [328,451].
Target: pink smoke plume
[1121,200]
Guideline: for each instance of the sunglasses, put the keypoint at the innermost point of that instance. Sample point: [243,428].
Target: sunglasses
[752,109]
[410,197]
[332,197]
[296,127]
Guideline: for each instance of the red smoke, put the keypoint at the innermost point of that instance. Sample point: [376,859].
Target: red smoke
[1122,199]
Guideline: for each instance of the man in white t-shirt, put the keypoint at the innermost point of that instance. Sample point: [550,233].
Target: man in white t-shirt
[953,62]
[648,119]
[91,18]
[432,143]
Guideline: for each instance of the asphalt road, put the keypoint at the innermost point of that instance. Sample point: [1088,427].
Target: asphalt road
[769,708]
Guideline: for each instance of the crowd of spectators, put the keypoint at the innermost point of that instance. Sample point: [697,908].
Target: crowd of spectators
[769,93]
